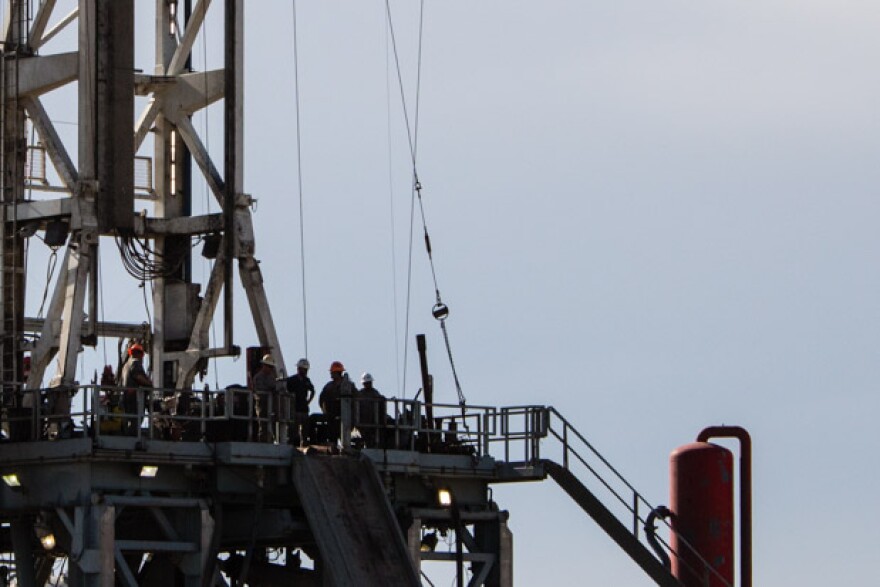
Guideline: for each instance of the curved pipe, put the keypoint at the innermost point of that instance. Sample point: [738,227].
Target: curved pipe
[661,512]
[745,492]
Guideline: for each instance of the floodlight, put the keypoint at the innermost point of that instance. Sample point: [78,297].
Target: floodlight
[48,541]
[444,497]
[149,471]
[12,480]
[41,529]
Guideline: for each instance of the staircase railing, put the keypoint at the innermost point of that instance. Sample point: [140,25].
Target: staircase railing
[521,432]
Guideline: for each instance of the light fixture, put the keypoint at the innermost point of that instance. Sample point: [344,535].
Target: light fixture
[429,542]
[48,541]
[149,471]
[444,497]
[12,480]
[44,533]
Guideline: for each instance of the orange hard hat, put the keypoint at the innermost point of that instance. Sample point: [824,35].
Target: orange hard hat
[135,348]
[337,367]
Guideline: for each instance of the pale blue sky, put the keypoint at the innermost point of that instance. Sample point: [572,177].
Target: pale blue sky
[653,216]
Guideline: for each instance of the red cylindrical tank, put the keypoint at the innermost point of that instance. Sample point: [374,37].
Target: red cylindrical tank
[701,488]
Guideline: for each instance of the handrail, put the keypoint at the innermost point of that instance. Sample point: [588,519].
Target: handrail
[566,436]
[472,430]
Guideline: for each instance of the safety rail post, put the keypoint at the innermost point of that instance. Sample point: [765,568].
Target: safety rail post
[203,416]
[565,445]
[635,510]
[505,424]
[485,441]
[95,417]
[532,439]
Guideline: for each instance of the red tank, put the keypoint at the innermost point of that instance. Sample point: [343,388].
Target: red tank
[701,488]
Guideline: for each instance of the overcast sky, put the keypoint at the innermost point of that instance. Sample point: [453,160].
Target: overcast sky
[655,216]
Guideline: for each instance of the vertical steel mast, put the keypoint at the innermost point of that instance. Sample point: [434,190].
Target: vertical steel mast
[97,196]
[12,159]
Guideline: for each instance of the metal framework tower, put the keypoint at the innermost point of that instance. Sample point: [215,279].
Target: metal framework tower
[197,496]
[97,195]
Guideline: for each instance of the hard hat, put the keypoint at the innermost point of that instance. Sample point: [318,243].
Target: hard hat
[337,367]
[267,360]
[303,364]
[135,348]
[366,378]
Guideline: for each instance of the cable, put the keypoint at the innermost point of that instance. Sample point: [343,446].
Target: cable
[50,272]
[409,132]
[142,262]
[418,86]
[302,238]
[412,151]
[441,311]
[146,304]
[400,383]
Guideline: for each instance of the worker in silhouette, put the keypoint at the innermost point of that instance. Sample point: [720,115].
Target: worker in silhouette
[137,384]
[301,388]
[337,389]
[112,422]
[371,411]
[264,382]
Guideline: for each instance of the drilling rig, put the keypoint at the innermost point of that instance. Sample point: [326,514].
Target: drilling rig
[207,489]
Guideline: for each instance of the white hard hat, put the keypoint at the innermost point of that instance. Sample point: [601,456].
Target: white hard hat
[268,360]
[366,378]
[303,364]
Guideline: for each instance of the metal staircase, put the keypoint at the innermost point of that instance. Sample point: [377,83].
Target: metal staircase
[537,441]
[612,526]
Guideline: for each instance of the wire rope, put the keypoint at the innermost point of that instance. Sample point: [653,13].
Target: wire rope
[418,86]
[50,272]
[302,238]
[412,210]
[440,311]
[400,384]
[412,153]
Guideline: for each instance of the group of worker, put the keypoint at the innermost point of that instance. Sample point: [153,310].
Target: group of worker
[368,405]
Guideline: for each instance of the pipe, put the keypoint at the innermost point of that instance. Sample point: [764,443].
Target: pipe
[745,492]
[422,346]
[662,512]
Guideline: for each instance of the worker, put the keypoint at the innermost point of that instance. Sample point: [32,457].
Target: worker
[264,383]
[111,421]
[336,389]
[137,383]
[372,411]
[303,391]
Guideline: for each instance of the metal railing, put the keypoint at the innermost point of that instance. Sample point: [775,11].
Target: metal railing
[237,413]
[516,435]
[99,410]
[626,502]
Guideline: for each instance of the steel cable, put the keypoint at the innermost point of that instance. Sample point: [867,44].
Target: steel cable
[302,238]
[412,136]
